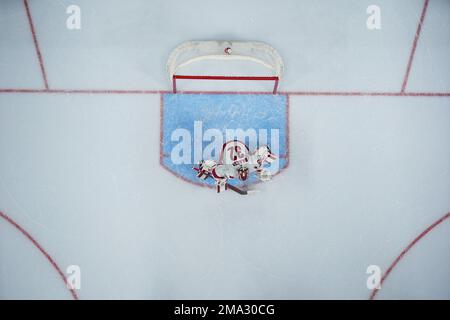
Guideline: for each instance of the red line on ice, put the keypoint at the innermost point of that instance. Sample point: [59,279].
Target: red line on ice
[81,91]
[405,251]
[368,93]
[290,93]
[414,46]
[36,44]
[41,249]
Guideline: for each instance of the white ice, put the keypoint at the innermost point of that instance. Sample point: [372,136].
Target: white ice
[367,174]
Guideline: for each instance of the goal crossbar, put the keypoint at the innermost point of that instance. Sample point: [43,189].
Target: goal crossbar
[238,78]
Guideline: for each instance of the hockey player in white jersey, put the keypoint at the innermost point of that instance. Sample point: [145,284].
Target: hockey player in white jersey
[236,161]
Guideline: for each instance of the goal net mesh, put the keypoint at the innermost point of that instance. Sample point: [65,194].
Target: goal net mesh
[224,60]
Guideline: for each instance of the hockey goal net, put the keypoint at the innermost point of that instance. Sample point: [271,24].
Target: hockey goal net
[224,61]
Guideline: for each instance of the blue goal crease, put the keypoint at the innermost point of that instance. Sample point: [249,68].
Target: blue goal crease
[221,112]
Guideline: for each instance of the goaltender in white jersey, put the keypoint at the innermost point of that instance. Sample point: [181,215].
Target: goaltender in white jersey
[236,161]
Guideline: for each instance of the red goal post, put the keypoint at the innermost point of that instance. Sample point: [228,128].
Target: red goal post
[250,51]
[237,78]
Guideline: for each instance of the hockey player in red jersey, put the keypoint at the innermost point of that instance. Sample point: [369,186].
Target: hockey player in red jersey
[236,161]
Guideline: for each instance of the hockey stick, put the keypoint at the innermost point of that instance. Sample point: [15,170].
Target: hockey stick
[229,186]
[236,189]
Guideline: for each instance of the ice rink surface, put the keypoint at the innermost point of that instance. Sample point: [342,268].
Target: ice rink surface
[368,181]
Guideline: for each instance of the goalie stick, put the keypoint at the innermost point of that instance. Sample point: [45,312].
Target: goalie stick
[231,187]
[237,190]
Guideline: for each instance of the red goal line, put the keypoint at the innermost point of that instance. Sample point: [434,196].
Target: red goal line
[253,78]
